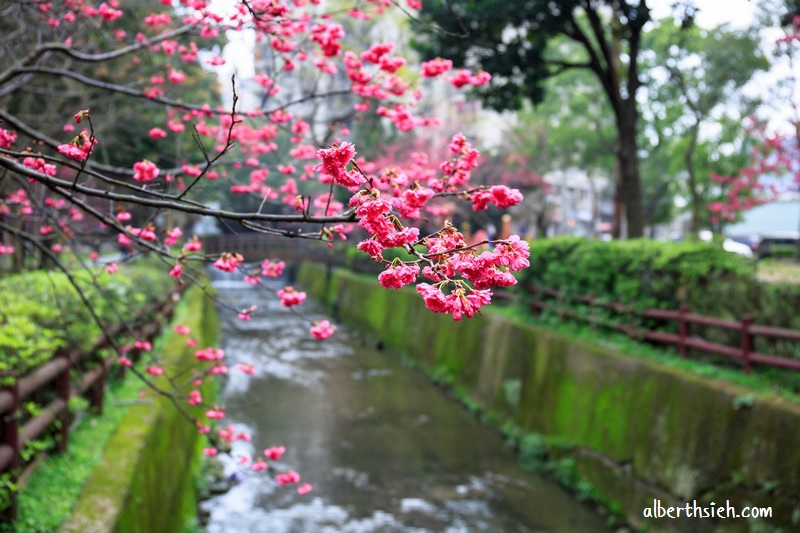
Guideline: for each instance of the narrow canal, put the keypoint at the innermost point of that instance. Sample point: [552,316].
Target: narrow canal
[384,449]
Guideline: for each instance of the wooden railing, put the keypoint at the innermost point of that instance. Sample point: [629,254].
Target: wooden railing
[258,246]
[55,375]
[743,352]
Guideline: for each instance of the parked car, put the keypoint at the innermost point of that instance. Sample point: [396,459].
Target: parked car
[730,245]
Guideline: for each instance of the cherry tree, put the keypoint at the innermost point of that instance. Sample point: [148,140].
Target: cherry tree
[774,166]
[84,181]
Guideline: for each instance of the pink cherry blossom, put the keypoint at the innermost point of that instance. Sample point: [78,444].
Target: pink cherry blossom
[290,297]
[288,478]
[500,195]
[335,159]
[7,138]
[73,152]
[272,269]
[228,262]
[395,277]
[195,398]
[246,368]
[172,236]
[210,354]
[157,133]
[218,369]
[193,246]
[275,452]
[143,346]
[322,330]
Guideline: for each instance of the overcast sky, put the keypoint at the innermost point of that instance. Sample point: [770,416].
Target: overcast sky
[739,13]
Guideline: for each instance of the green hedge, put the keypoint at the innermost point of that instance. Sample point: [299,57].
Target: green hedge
[783,251]
[648,274]
[640,273]
[41,311]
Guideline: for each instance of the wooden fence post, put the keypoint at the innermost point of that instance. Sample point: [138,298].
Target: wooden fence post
[746,341]
[534,302]
[63,392]
[98,389]
[10,432]
[683,330]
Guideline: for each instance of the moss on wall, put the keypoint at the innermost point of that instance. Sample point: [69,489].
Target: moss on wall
[145,482]
[637,429]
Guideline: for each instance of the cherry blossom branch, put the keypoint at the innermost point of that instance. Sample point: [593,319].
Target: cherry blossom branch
[179,206]
[228,143]
[61,48]
[52,143]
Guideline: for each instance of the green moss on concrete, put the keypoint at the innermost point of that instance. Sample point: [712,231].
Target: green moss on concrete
[145,482]
[637,428]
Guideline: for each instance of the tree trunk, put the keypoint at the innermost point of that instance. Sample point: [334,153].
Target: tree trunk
[693,189]
[616,221]
[628,161]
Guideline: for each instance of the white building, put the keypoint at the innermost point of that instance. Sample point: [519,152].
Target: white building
[576,203]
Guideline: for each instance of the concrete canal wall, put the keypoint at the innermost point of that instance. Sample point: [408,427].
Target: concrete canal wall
[637,429]
[146,481]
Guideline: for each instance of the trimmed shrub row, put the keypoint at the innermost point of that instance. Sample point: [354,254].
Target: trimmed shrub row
[41,312]
[648,274]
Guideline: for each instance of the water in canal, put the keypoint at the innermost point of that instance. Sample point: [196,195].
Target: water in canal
[384,449]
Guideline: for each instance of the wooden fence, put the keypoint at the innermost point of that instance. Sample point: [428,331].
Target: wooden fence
[55,375]
[743,352]
[257,246]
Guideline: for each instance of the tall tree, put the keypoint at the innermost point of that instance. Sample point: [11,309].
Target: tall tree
[514,40]
[695,79]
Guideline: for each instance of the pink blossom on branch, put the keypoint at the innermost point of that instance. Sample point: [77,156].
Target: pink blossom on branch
[73,152]
[228,262]
[275,452]
[499,195]
[395,277]
[145,171]
[272,269]
[288,478]
[322,330]
[7,138]
[291,297]
[334,162]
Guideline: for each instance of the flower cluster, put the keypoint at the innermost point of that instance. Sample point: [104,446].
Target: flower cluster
[499,195]
[291,297]
[227,262]
[145,171]
[397,276]
[322,330]
[76,149]
[272,269]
